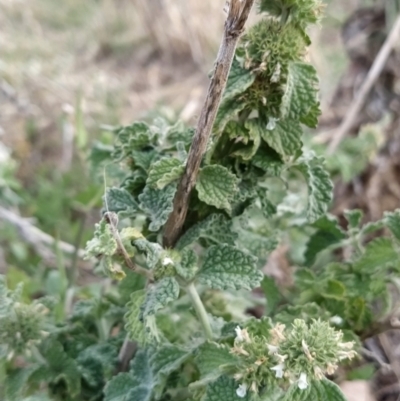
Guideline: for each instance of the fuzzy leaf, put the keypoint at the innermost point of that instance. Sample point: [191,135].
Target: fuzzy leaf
[301,91]
[143,159]
[157,204]
[134,326]
[248,136]
[378,253]
[187,267]
[103,242]
[160,295]
[216,228]
[319,186]
[120,201]
[216,186]
[167,359]
[268,161]
[211,358]
[392,220]
[353,217]
[164,171]
[285,138]
[137,136]
[227,111]
[224,389]
[16,383]
[239,80]
[151,250]
[228,267]
[322,390]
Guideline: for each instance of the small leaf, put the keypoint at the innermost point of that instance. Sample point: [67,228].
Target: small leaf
[160,295]
[269,161]
[322,390]
[378,253]
[157,204]
[301,91]
[187,267]
[227,111]
[271,293]
[353,217]
[143,159]
[248,136]
[285,138]
[224,389]
[134,326]
[167,359]
[216,228]
[211,359]
[164,171]
[216,186]
[319,186]
[103,242]
[227,267]
[239,80]
[392,220]
[334,289]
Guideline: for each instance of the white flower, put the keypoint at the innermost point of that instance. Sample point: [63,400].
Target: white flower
[239,335]
[241,391]
[337,320]
[302,383]
[167,261]
[272,349]
[278,370]
[271,123]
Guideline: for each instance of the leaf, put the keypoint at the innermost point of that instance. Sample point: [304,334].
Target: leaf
[151,250]
[322,390]
[311,119]
[239,80]
[271,293]
[328,233]
[334,289]
[137,136]
[160,295]
[134,326]
[216,228]
[267,207]
[392,220]
[358,314]
[157,204]
[164,171]
[143,159]
[224,389]
[319,186]
[353,217]
[285,138]
[378,253]
[248,136]
[103,242]
[211,359]
[227,111]
[269,161]
[16,383]
[187,267]
[120,201]
[228,267]
[301,91]
[136,385]
[216,186]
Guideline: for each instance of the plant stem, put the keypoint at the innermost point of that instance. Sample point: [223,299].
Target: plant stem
[200,310]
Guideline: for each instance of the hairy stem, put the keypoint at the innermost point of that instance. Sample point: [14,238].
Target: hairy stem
[200,310]
[238,14]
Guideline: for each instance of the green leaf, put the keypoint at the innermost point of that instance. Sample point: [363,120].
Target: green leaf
[143,159]
[137,136]
[272,294]
[311,119]
[211,359]
[353,217]
[120,201]
[16,383]
[216,186]
[160,295]
[227,111]
[378,253]
[328,233]
[358,314]
[157,204]
[103,242]
[216,228]
[134,326]
[248,136]
[322,390]
[267,207]
[284,138]
[392,220]
[187,267]
[224,389]
[165,171]
[269,161]
[151,250]
[228,267]
[334,289]
[301,91]
[239,80]
[319,186]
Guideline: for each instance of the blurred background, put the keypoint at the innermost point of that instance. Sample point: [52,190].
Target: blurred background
[70,70]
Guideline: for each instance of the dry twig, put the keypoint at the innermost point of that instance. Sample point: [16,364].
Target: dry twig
[237,16]
[366,87]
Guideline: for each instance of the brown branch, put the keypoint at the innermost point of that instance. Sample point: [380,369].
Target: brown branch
[237,16]
[366,87]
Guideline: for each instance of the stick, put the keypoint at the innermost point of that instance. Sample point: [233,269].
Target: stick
[237,16]
[367,85]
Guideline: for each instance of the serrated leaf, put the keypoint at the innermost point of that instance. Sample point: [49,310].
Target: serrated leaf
[354,217]
[271,293]
[216,228]
[120,201]
[167,359]
[284,138]
[216,186]
[322,390]
[151,250]
[269,161]
[211,359]
[328,233]
[187,267]
[248,136]
[378,253]
[137,136]
[133,324]
[165,171]
[160,295]
[157,204]
[143,159]
[227,111]
[103,242]
[319,186]
[239,80]
[228,267]
[224,389]
[301,91]
[392,220]
[311,119]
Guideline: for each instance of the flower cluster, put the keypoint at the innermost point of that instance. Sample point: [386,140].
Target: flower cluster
[284,357]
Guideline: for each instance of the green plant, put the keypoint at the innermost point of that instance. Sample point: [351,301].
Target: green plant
[185,232]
